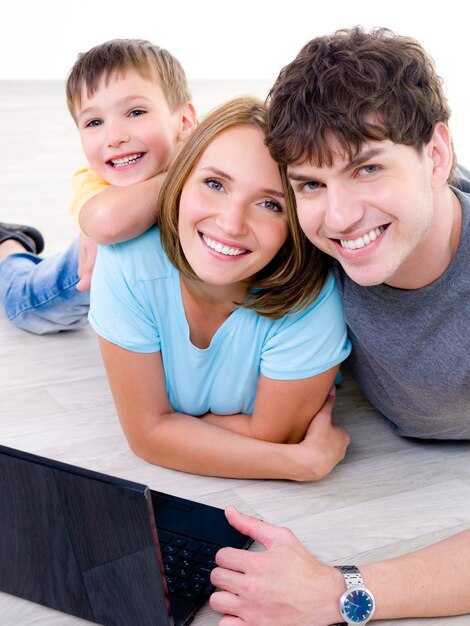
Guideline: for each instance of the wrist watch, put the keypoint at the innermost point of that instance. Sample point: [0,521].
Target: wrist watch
[357,604]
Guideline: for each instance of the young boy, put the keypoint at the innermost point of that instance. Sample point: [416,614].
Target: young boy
[361,121]
[131,102]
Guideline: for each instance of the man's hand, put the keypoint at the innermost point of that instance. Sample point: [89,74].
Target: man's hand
[86,262]
[284,585]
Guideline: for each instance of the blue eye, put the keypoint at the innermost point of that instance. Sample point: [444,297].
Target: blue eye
[136,113]
[214,184]
[93,123]
[369,169]
[310,186]
[272,206]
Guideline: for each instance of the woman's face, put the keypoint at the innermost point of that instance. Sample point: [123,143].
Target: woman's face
[232,216]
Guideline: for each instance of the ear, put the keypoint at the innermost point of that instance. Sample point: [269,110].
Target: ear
[188,121]
[441,154]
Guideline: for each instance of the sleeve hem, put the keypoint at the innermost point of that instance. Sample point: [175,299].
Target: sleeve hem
[305,373]
[132,347]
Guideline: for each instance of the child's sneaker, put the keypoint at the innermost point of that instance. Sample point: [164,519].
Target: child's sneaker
[30,238]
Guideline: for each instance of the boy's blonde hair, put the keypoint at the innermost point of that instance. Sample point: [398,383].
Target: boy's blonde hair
[296,274]
[118,56]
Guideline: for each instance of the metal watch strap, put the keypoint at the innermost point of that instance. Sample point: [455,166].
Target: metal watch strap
[354,583]
[352,576]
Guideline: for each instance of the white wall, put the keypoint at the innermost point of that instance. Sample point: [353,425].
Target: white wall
[39,39]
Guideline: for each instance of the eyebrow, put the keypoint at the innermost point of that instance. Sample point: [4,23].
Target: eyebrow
[358,160]
[128,99]
[301,178]
[222,174]
[362,157]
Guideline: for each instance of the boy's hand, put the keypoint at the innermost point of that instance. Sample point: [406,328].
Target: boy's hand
[86,262]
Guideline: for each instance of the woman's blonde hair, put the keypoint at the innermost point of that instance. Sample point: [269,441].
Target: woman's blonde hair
[296,274]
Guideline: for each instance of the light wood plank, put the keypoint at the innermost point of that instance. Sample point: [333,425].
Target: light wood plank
[390,495]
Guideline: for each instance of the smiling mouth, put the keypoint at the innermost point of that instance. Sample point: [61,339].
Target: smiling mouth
[365,240]
[219,247]
[126,160]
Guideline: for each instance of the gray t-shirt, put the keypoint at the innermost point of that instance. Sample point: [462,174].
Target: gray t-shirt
[411,348]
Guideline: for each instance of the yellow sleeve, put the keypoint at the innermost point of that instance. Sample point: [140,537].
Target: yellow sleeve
[86,184]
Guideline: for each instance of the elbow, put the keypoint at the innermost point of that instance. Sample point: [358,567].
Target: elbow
[135,445]
[104,229]
[101,225]
[149,443]
[143,451]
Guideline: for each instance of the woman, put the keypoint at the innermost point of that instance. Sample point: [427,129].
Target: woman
[221,330]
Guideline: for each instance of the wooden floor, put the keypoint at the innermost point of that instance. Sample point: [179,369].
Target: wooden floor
[390,495]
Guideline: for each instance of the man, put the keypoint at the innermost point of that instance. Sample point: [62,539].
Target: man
[361,122]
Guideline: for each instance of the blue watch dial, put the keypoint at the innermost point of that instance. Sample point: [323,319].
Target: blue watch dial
[357,606]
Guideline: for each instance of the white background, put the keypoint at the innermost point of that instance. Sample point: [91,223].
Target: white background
[39,39]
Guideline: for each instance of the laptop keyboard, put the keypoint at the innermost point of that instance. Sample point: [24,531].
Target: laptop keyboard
[188,564]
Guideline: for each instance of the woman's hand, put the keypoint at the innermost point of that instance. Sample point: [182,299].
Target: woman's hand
[190,444]
[323,447]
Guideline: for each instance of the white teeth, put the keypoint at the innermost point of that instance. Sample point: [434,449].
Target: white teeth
[360,242]
[126,160]
[218,247]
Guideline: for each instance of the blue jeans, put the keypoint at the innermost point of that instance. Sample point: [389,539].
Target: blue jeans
[39,295]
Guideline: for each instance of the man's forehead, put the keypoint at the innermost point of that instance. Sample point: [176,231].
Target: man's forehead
[339,157]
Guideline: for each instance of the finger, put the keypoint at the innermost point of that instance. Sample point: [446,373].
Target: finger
[83,284]
[224,602]
[328,405]
[228,577]
[322,421]
[346,437]
[231,620]
[230,560]
[258,530]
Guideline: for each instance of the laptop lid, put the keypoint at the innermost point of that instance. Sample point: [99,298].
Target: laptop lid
[86,543]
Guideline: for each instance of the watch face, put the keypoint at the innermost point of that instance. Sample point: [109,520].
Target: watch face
[357,606]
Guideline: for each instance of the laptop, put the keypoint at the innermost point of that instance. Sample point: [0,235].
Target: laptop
[102,548]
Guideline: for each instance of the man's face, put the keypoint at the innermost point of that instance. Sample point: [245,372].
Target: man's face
[373,213]
[127,130]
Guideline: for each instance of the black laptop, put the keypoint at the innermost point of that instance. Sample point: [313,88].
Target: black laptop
[105,549]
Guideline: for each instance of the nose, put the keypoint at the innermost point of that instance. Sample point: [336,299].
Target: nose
[116,133]
[232,218]
[344,209]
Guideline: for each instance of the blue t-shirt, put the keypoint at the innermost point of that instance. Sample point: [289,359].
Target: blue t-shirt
[136,303]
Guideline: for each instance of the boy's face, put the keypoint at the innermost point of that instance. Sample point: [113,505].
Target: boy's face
[374,214]
[127,130]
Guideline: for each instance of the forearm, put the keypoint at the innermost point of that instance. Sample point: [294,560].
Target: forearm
[120,213]
[194,445]
[430,582]
[434,581]
[321,450]
[239,423]
[246,425]
[164,437]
